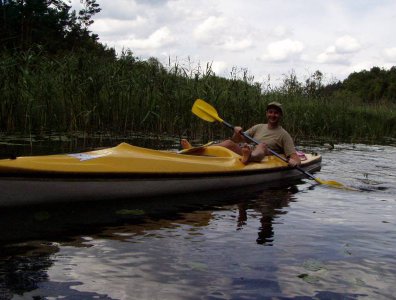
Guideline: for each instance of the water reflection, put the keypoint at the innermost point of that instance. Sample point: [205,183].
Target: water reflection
[31,237]
[269,205]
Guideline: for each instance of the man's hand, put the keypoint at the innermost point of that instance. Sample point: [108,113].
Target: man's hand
[293,163]
[294,160]
[237,130]
[237,137]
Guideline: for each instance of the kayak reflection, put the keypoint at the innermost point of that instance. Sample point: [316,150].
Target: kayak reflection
[62,221]
[31,238]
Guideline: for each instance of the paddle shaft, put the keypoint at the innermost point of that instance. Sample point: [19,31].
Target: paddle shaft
[248,137]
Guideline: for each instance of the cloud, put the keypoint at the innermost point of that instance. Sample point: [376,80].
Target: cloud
[219,67]
[347,44]
[331,56]
[232,44]
[157,39]
[209,30]
[219,32]
[390,54]
[340,52]
[280,31]
[189,11]
[282,51]
[114,27]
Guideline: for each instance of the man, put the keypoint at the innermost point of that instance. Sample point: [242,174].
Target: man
[270,135]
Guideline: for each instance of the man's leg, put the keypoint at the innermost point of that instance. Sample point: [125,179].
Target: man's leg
[255,155]
[185,144]
[231,145]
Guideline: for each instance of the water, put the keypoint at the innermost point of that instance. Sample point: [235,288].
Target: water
[302,241]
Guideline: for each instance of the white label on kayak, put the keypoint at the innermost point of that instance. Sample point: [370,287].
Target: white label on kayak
[88,156]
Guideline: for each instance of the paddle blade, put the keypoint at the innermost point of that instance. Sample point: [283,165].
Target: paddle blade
[333,183]
[205,111]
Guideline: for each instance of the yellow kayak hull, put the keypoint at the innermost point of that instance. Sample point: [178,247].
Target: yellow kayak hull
[127,171]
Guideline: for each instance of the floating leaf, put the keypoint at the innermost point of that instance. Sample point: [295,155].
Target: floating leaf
[131,212]
[42,216]
[313,265]
[198,266]
[308,278]
[360,282]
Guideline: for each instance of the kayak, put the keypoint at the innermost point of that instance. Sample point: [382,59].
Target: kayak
[128,172]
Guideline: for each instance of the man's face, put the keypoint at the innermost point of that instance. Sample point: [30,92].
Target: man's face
[273,115]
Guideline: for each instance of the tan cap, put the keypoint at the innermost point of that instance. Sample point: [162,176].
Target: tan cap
[275,104]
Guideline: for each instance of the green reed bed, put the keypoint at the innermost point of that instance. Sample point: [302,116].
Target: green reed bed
[339,120]
[79,92]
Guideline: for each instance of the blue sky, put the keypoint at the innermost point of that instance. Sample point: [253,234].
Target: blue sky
[269,38]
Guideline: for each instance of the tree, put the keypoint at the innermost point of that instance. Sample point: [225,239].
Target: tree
[313,85]
[50,24]
[291,85]
[372,86]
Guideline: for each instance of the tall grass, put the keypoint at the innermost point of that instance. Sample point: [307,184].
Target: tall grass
[91,94]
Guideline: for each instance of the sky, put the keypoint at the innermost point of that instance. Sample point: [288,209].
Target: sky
[268,39]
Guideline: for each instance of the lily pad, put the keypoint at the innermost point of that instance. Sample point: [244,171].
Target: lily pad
[42,216]
[313,265]
[197,266]
[131,212]
[360,282]
[308,278]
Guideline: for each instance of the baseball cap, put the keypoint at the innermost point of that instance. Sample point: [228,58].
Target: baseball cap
[276,105]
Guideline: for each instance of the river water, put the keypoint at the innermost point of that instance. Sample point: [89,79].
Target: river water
[300,241]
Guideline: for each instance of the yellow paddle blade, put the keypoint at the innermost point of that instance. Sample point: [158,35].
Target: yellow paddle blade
[205,111]
[333,183]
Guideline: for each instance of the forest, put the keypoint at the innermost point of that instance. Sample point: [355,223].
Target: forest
[57,77]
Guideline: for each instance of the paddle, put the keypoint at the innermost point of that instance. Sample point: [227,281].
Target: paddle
[208,113]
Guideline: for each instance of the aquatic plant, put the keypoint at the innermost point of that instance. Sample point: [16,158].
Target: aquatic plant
[88,93]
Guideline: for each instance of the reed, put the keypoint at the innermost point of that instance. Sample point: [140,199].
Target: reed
[93,94]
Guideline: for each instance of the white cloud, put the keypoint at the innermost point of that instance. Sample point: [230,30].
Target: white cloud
[280,31]
[223,33]
[210,29]
[232,44]
[347,44]
[219,67]
[340,52]
[157,39]
[390,54]
[331,56]
[183,9]
[283,50]
[117,27]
